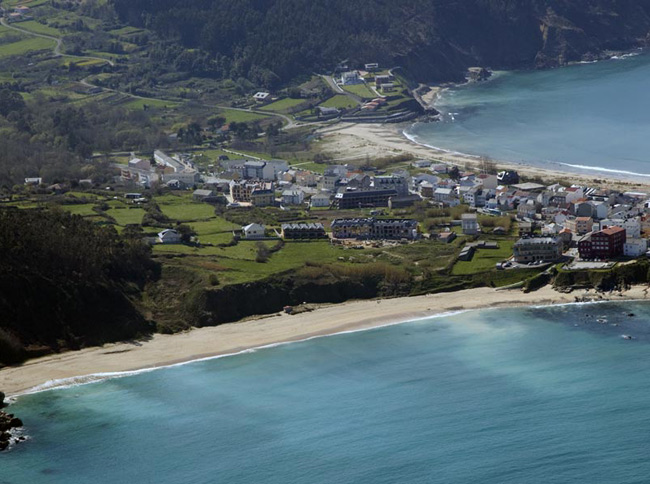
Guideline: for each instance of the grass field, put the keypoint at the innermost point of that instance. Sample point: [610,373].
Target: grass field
[139,103]
[484,259]
[85,210]
[240,116]
[340,101]
[24,46]
[126,216]
[39,28]
[283,105]
[361,90]
[187,210]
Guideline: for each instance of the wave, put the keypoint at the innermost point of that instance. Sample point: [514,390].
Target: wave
[606,170]
[413,139]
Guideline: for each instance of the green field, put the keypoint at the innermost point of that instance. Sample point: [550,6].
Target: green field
[240,116]
[85,209]
[39,28]
[283,105]
[126,216]
[340,101]
[26,45]
[484,259]
[361,90]
[187,210]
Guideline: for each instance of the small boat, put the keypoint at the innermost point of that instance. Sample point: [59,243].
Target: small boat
[626,336]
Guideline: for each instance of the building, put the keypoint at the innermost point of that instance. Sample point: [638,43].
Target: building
[163,159]
[303,231]
[373,66]
[604,244]
[201,195]
[253,231]
[446,196]
[447,237]
[320,200]
[292,197]
[261,96]
[403,201]
[579,225]
[242,191]
[263,196]
[372,228]
[635,247]
[469,224]
[392,182]
[363,198]
[534,249]
[350,78]
[188,176]
[169,236]
[306,178]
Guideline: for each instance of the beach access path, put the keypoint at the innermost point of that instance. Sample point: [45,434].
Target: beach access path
[164,350]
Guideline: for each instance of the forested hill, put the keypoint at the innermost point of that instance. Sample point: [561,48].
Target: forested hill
[271,41]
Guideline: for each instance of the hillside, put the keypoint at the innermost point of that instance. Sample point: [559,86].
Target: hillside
[66,283]
[273,41]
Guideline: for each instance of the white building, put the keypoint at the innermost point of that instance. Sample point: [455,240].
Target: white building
[253,231]
[350,78]
[261,96]
[469,223]
[169,236]
[635,247]
[446,196]
[320,200]
[632,226]
[292,197]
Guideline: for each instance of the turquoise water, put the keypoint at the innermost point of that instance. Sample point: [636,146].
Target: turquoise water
[497,396]
[587,116]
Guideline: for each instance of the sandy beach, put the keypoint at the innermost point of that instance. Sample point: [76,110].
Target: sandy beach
[350,142]
[163,350]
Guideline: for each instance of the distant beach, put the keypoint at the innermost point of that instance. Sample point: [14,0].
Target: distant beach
[97,363]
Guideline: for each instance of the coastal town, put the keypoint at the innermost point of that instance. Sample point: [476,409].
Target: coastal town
[586,227]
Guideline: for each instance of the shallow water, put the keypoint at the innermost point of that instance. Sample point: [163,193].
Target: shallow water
[587,116]
[495,396]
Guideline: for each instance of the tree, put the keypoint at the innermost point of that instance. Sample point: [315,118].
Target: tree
[10,101]
[454,173]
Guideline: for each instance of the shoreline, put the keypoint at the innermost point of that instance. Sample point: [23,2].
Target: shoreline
[357,141]
[122,359]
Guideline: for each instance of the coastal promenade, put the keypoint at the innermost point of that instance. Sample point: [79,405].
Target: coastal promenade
[162,350]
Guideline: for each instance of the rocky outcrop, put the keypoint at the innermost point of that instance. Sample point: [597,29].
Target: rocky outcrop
[8,422]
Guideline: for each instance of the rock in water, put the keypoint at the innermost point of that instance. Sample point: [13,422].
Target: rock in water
[15,422]
[2,399]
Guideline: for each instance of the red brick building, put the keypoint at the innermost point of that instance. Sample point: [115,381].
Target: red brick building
[605,244]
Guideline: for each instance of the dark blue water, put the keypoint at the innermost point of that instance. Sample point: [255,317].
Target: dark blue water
[590,116]
[497,396]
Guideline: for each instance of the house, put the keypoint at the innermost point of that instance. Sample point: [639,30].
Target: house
[242,191]
[310,231]
[169,236]
[387,87]
[632,226]
[579,225]
[161,158]
[421,164]
[373,66]
[372,228]
[534,249]
[306,178]
[573,194]
[263,196]
[261,96]
[33,181]
[446,196]
[292,197]
[447,237]
[489,182]
[325,111]
[383,79]
[635,247]
[350,78]
[259,170]
[320,200]
[253,231]
[188,176]
[469,224]
[202,194]
[403,201]
[604,244]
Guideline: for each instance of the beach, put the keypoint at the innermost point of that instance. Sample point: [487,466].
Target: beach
[164,350]
[347,142]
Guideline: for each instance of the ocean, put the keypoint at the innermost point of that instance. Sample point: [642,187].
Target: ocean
[587,118]
[522,395]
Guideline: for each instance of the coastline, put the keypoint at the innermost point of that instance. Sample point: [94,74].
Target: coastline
[121,359]
[350,142]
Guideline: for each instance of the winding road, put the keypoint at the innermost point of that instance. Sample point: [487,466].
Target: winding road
[290,123]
